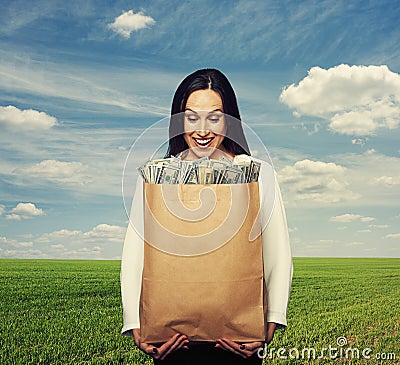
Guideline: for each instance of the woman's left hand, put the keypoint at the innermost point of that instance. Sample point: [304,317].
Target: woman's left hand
[244,350]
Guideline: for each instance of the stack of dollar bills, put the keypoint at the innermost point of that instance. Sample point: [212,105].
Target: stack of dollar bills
[173,170]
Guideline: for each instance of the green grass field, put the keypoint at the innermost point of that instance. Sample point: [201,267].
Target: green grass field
[69,312]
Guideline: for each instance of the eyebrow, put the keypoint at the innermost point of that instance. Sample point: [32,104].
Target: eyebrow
[212,111]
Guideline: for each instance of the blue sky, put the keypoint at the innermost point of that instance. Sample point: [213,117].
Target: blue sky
[318,81]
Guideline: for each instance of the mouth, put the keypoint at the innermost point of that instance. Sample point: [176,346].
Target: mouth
[203,142]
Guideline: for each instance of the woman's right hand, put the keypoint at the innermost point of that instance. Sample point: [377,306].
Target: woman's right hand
[176,342]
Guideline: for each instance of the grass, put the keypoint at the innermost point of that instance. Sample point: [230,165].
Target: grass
[69,312]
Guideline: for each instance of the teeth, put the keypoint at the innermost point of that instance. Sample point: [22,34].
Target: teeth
[203,141]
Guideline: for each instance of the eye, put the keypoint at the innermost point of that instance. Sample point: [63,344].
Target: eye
[214,118]
[192,118]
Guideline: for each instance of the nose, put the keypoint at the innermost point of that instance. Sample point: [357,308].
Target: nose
[203,127]
[202,132]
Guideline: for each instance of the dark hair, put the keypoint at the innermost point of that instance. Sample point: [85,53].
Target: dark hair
[234,141]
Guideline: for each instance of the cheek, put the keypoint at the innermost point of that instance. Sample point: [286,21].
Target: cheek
[187,128]
[219,128]
[187,138]
[218,141]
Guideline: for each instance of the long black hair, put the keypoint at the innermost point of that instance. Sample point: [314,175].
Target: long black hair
[208,78]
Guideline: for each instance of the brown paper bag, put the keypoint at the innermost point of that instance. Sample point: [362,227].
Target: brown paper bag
[203,266]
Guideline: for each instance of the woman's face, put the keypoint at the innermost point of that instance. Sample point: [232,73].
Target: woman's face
[204,125]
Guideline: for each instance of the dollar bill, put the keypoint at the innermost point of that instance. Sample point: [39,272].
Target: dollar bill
[169,175]
[174,170]
[255,170]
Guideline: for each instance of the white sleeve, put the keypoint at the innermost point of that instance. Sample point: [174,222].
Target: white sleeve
[132,263]
[278,267]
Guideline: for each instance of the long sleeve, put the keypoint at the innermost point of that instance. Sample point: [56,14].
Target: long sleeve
[278,267]
[132,263]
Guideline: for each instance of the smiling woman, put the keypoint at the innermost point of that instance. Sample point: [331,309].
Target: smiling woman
[206,99]
[204,129]
[205,123]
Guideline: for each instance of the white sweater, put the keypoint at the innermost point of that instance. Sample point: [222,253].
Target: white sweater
[278,268]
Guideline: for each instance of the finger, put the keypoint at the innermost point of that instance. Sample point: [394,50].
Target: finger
[175,348]
[246,349]
[232,346]
[180,342]
[167,345]
[251,350]
[149,349]
[251,346]
[222,346]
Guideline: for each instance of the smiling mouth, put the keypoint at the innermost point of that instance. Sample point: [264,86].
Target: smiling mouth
[203,142]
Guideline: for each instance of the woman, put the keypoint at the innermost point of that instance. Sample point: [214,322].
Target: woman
[203,105]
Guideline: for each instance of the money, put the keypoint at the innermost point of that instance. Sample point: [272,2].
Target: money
[169,175]
[174,170]
[254,170]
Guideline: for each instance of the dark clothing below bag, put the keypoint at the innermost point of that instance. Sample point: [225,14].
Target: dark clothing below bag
[207,354]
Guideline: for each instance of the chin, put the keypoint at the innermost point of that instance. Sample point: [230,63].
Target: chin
[198,151]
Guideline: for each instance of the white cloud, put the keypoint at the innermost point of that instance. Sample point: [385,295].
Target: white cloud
[129,22]
[27,235]
[349,217]
[393,235]
[84,251]
[25,244]
[357,100]
[364,171]
[58,171]
[105,231]
[29,253]
[380,226]
[355,243]
[359,141]
[57,247]
[15,119]
[24,211]
[15,243]
[103,241]
[2,208]
[61,235]
[367,219]
[318,167]
[13,217]
[357,123]
[327,241]
[386,181]
[316,180]
[101,233]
